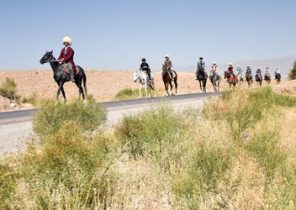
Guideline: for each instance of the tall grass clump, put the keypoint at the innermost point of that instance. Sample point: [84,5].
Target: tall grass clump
[243,109]
[7,185]
[152,133]
[53,115]
[127,93]
[69,171]
[8,89]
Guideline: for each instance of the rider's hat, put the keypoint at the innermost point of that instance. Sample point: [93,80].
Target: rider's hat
[230,64]
[214,62]
[143,59]
[200,58]
[167,56]
[67,39]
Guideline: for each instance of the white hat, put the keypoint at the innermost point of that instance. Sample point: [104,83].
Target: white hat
[214,62]
[67,39]
[167,56]
[230,64]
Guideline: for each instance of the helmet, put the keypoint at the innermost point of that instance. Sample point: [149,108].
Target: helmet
[167,56]
[200,58]
[143,59]
[67,40]
[214,62]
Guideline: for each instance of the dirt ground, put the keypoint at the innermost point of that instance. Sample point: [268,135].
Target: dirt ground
[104,85]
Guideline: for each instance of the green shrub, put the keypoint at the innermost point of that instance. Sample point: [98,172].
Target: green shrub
[152,133]
[71,171]
[32,99]
[127,93]
[53,115]
[8,89]
[7,185]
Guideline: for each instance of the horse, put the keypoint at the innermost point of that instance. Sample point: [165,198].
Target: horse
[267,78]
[202,78]
[215,79]
[231,81]
[258,79]
[61,76]
[277,77]
[141,78]
[249,78]
[167,81]
[240,79]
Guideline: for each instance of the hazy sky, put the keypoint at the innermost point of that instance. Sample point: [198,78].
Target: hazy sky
[116,34]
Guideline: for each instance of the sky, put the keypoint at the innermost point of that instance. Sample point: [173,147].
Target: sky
[116,34]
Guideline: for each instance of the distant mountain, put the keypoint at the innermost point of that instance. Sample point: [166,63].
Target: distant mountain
[285,65]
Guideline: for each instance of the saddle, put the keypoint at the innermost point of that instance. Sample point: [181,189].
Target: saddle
[67,69]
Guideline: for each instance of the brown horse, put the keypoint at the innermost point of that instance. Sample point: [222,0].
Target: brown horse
[249,78]
[231,81]
[267,78]
[278,77]
[167,81]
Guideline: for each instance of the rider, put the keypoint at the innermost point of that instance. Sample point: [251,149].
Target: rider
[230,70]
[67,56]
[145,67]
[239,71]
[277,70]
[258,72]
[214,69]
[200,67]
[168,66]
[267,71]
[248,70]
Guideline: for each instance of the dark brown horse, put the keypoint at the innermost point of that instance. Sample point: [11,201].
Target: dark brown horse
[232,81]
[278,77]
[167,81]
[249,78]
[267,78]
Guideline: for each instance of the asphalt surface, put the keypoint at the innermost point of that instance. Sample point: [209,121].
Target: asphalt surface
[26,115]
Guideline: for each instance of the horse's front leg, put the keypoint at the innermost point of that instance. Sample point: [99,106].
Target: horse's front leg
[140,91]
[64,94]
[59,90]
[166,88]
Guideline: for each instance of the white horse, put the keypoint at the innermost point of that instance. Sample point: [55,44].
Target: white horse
[141,77]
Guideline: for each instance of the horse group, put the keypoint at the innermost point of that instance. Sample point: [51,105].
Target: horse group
[170,79]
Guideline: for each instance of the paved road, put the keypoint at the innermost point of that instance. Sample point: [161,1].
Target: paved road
[16,127]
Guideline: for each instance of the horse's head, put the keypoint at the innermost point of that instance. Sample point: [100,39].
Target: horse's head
[47,57]
[226,75]
[136,75]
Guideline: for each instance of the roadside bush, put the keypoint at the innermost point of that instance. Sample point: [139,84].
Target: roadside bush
[53,115]
[70,171]
[32,99]
[153,133]
[8,89]
[127,93]
[243,109]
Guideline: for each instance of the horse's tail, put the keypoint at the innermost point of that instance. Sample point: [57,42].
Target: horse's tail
[176,79]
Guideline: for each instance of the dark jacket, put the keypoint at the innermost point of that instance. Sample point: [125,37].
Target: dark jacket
[145,67]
